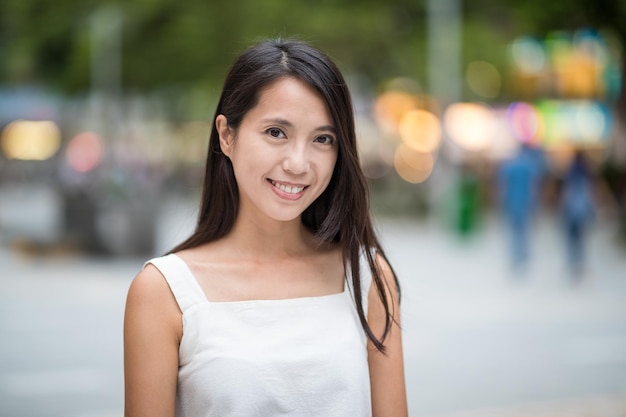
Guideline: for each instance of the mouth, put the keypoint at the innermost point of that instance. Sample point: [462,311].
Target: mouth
[288,188]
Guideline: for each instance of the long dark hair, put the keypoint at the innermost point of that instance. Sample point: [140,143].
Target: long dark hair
[341,213]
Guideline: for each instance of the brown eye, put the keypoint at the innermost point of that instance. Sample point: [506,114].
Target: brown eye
[325,139]
[275,132]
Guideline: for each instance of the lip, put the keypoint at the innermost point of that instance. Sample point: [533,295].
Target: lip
[284,194]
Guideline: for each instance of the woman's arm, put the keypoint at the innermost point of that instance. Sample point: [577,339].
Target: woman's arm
[386,370]
[152,332]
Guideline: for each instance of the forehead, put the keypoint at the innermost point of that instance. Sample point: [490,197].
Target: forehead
[292,96]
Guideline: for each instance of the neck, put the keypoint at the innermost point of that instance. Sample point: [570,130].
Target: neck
[270,239]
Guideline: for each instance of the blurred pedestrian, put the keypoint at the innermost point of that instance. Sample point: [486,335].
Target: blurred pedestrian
[267,309]
[577,210]
[467,202]
[519,183]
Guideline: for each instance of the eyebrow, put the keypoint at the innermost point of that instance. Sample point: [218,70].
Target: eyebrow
[287,123]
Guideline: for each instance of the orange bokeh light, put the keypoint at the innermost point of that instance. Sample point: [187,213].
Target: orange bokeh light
[421,130]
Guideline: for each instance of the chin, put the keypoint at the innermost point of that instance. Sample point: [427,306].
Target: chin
[286,215]
[287,219]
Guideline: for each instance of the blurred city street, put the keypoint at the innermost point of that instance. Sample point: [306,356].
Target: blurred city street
[478,340]
[492,135]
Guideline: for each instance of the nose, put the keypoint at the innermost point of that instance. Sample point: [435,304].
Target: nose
[296,160]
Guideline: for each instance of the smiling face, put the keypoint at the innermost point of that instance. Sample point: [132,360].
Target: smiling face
[284,151]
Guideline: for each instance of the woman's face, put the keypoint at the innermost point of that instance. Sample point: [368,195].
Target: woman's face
[284,151]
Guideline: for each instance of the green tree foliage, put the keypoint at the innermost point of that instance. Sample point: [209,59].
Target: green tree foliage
[189,43]
[181,43]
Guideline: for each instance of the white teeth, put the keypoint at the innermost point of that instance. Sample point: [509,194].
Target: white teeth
[287,188]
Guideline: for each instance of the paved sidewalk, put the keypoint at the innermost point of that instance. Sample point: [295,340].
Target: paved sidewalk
[480,338]
[479,341]
[599,406]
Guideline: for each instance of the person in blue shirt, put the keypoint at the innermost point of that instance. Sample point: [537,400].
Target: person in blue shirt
[577,210]
[519,182]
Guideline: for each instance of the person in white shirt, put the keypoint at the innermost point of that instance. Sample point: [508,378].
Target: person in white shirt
[282,301]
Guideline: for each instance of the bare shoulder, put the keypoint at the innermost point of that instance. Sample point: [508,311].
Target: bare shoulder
[152,334]
[150,298]
[149,285]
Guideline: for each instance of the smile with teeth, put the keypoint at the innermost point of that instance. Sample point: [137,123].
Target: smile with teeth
[289,189]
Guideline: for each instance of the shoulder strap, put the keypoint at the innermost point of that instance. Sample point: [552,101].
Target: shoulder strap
[183,284]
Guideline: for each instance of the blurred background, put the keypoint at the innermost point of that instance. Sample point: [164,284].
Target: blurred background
[492,133]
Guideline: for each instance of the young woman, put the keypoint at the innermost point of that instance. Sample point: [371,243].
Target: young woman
[282,301]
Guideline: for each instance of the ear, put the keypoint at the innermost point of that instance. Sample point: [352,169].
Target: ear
[226,134]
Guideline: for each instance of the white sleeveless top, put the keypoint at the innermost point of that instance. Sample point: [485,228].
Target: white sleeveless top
[297,357]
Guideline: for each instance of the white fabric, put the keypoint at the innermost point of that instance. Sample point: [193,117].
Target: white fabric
[298,357]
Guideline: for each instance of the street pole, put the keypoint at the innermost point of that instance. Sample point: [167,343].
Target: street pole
[444,81]
[444,50]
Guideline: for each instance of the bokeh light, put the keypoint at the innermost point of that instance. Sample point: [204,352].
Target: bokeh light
[411,165]
[524,121]
[470,125]
[528,55]
[390,107]
[421,130]
[85,152]
[579,75]
[559,49]
[566,65]
[592,122]
[554,127]
[577,122]
[484,79]
[31,140]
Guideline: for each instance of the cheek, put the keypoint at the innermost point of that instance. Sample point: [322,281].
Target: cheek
[245,155]
[327,168]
